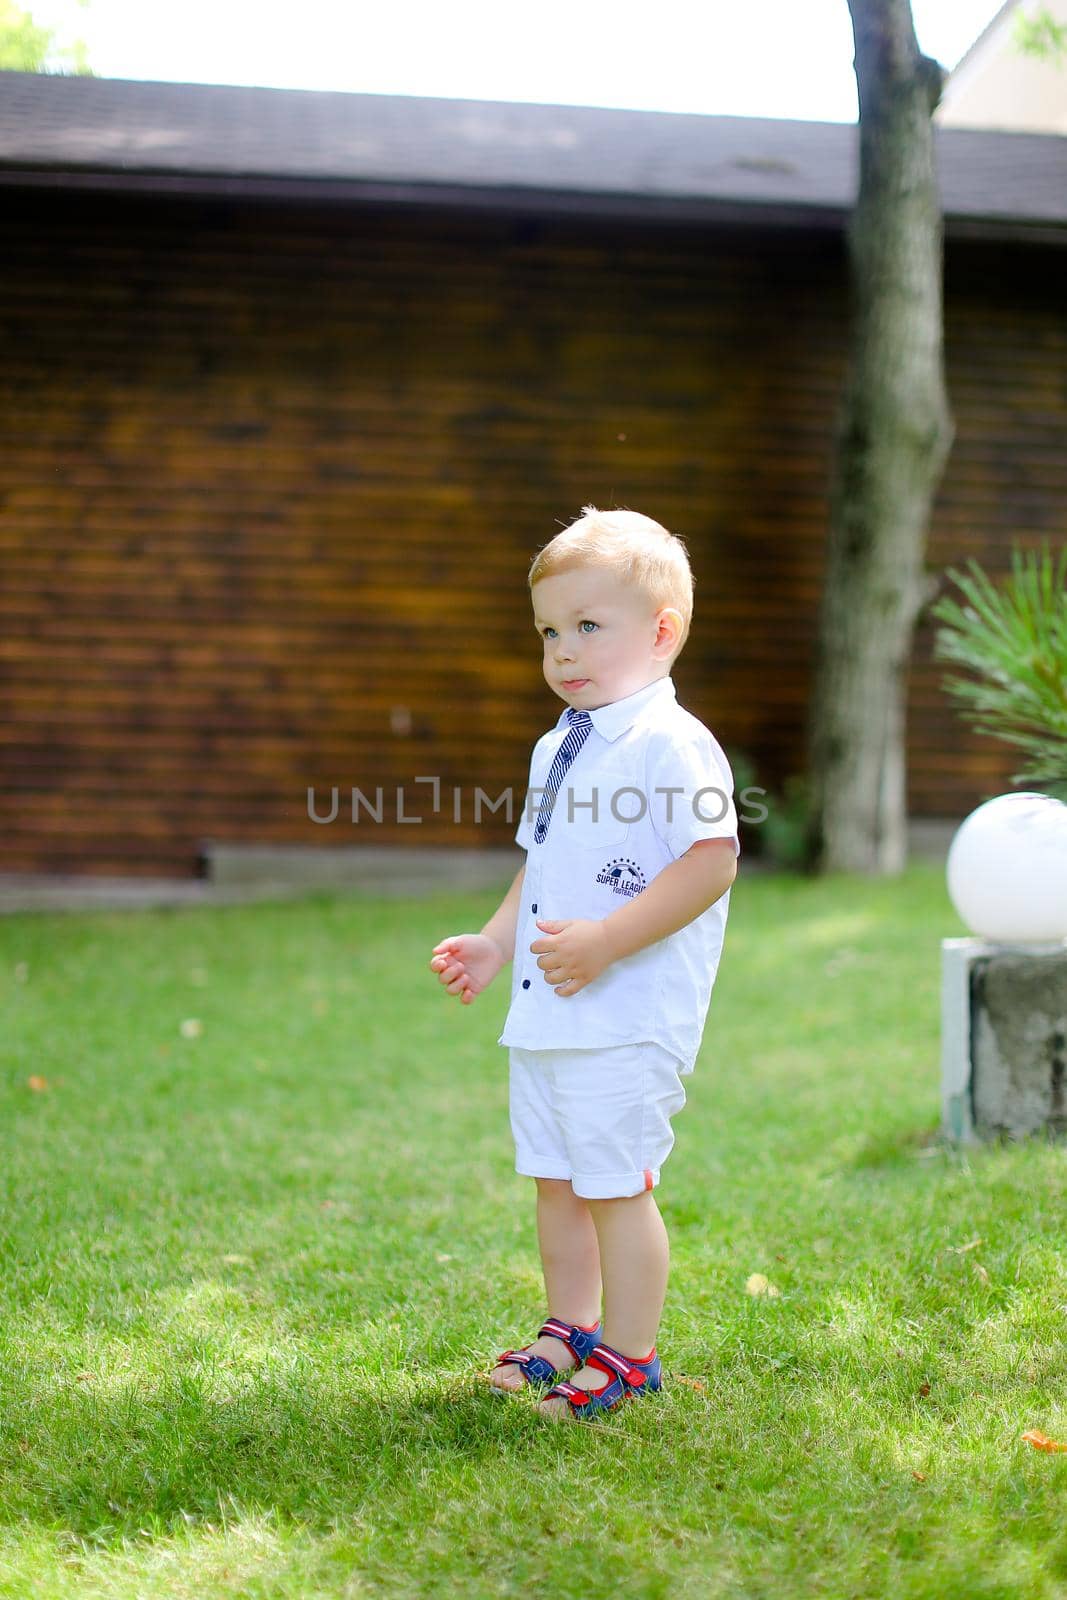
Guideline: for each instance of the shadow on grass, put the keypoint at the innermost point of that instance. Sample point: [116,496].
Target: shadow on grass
[749,1468]
[893,1147]
[105,1466]
[896,1147]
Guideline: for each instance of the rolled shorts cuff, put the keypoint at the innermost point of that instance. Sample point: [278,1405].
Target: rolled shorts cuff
[600,1117]
[614,1186]
[540,1167]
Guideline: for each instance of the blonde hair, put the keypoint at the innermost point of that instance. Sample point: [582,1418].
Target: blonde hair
[633,547]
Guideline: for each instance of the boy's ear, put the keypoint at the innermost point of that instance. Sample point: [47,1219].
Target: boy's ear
[670,626]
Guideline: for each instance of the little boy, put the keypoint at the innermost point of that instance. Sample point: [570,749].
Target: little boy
[615,925]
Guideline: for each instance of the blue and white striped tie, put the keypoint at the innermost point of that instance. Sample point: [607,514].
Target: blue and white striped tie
[581,724]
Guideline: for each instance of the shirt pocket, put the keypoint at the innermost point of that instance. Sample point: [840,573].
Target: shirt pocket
[592,827]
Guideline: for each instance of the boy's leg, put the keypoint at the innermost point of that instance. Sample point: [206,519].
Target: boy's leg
[617,1110]
[570,1253]
[570,1259]
[634,1259]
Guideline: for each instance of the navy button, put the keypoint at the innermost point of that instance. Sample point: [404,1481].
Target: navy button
[533,907]
[526,983]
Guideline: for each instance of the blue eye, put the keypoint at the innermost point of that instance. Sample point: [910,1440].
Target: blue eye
[588,624]
[547,631]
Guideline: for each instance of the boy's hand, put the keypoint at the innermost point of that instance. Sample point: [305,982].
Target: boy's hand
[572,954]
[466,964]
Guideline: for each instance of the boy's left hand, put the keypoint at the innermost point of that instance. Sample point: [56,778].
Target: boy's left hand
[572,954]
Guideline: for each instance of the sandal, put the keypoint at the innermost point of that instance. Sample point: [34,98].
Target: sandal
[538,1369]
[625,1377]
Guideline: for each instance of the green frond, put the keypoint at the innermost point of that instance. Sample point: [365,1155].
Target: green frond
[1013,638]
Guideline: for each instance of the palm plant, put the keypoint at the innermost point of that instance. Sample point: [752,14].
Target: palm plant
[1013,638]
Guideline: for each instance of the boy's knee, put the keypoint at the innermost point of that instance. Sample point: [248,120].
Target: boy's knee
[643,1197]
[556,1188]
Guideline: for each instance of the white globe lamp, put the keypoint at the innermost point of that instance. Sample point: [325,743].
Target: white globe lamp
[1007,870]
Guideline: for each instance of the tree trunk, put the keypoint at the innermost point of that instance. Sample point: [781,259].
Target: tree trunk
[893,436]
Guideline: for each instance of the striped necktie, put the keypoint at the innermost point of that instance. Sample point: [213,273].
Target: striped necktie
[581,724]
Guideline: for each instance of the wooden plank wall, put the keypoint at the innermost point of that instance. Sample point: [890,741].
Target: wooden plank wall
[273,476]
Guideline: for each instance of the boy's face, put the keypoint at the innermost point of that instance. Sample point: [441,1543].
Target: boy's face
[602,638]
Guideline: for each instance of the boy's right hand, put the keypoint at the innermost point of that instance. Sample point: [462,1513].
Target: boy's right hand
[466,964]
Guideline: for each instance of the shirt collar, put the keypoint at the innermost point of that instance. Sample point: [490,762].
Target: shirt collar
[612,720]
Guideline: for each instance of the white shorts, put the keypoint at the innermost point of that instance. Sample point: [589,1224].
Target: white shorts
[601,1118]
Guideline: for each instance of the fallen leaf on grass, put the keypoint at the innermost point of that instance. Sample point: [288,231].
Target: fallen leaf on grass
[692,1383]
[920,1477]
[192,1028]
[37,1084]
[924,1389]
[1041,1441]
[758,1284]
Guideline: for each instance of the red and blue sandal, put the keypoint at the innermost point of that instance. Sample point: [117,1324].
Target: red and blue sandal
[538,1369]
[625,1377]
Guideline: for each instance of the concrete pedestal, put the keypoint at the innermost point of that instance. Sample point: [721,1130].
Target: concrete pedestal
[1003,1039]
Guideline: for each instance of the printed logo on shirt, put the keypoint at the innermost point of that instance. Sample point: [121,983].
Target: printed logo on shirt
[622,877]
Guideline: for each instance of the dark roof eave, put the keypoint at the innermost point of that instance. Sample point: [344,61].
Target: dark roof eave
[513,200]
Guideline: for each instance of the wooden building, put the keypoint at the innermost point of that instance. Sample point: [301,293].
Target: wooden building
[293,386]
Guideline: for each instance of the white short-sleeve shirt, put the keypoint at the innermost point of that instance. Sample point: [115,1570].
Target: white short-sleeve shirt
[649,781]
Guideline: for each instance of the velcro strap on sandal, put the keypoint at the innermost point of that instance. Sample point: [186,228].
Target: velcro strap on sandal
[521,1358]
[616,1366]
[578,1397]
[560,1330]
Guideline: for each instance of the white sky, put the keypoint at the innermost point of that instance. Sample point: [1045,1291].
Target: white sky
[767,58]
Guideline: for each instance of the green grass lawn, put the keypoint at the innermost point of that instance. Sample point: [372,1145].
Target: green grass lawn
[251,1274]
